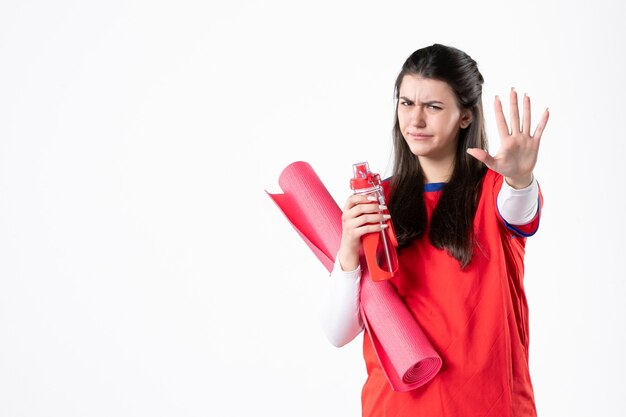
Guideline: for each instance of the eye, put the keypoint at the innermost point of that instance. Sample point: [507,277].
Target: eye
[432,106]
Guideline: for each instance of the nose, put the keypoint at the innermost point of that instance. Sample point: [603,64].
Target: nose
[418,117]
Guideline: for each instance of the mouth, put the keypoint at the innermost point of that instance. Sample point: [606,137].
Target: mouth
[419,136]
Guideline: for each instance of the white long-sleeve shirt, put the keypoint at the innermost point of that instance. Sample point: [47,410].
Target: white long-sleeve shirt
[339,314]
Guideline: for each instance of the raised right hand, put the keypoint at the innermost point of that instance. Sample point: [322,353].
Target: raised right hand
[361,215]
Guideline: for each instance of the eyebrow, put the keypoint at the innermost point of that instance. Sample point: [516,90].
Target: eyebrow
[425,102]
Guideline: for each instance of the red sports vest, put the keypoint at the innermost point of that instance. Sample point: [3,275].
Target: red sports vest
[476,319]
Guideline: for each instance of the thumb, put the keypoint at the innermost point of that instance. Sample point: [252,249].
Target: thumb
[482,156]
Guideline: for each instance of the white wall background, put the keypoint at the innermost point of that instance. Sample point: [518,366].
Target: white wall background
[143,270]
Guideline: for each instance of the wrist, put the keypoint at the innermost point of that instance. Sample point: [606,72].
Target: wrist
[520,182]
[348,259]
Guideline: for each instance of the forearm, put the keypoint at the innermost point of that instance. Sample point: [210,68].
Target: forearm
[518,206]
[340,311]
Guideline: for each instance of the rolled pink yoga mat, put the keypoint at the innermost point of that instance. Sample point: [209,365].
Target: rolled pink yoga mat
[406,355]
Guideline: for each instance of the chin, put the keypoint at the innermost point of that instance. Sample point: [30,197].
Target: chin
[419,151]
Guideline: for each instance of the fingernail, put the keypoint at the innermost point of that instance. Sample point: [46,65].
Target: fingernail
[384,226]
[513,89]
[548,109]
[372,198]
[380,206]
[497,97]
[525,95]
[386,216]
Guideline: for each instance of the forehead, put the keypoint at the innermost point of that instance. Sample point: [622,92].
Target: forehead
[416,87]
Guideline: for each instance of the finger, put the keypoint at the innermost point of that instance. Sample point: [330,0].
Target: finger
[482,156]
[526,116]
[514,110]
[368,219]
[369,207]
[356,199]
[361,209]
[503,129]
[370,228]
[542,125]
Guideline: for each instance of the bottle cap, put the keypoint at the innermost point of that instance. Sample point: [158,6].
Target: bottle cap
[363,177]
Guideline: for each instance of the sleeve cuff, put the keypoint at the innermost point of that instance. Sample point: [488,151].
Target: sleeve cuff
[528,229]
[518,206]
[338,272]
[520,209]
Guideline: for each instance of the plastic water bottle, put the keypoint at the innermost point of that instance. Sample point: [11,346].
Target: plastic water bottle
[384,242]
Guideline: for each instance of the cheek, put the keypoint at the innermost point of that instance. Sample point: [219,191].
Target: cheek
[401,119]
[401,124]
[404,119]
[451,124]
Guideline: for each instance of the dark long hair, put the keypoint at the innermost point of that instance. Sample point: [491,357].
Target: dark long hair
[451,224]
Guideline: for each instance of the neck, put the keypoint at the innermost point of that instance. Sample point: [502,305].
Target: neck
[437,170]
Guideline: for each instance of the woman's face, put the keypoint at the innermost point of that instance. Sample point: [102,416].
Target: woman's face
[430,117]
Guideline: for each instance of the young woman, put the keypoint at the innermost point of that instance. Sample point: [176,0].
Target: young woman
[461,217]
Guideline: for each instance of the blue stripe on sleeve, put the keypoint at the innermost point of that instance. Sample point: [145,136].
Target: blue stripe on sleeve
[518,231]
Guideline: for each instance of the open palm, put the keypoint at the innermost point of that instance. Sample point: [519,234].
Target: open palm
[518,151]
